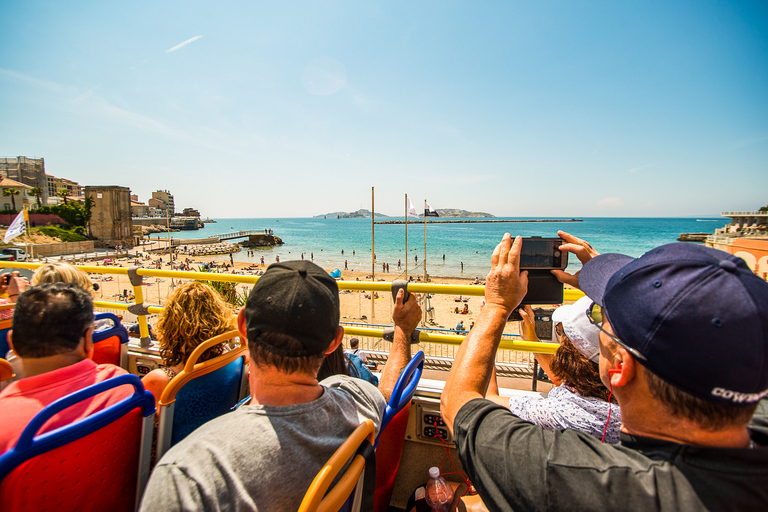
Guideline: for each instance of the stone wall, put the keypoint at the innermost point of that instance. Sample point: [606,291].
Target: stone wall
[44,250]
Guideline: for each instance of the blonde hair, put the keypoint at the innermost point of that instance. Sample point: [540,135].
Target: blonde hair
[193,313]
[62,273]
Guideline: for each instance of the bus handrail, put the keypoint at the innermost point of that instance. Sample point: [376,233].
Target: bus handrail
[141,309]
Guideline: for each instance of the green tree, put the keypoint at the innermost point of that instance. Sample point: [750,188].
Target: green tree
[11,192]
[64,194]
[37,192]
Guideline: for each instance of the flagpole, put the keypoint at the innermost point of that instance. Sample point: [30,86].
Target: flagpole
[425,240]
[406,237]
[26,232]
[373,256]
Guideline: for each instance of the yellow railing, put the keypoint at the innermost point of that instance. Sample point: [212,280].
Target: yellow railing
[424,337]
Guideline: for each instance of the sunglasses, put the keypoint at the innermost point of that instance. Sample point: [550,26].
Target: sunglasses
[596,318]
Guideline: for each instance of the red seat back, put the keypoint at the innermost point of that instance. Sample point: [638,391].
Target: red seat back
[96,472]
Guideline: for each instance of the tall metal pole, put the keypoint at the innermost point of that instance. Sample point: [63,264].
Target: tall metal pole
[168,227]
[373,256]
[406,237]
[425,240]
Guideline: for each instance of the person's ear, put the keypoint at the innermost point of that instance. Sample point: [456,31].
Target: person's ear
[336,341]
[88,342]
[10,342]
[241,325]
[625,370]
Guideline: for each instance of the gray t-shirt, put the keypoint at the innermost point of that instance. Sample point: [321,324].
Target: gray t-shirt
[261,457]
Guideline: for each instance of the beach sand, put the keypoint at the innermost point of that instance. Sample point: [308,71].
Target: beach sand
[355,308]
[354,304]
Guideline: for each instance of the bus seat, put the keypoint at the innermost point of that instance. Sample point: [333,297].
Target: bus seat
[200,392]
[6,370]
[96,463]
[349,491]
[391,436]
[403,391]
[110,346]
[5,326]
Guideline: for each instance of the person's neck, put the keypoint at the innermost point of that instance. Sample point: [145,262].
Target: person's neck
[270,386]
[33,366]
[652,420]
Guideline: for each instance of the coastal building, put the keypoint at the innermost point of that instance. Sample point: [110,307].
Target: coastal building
[15,195]
[57,186]
[190,212]
[745,223]
[111,221]
[746,237]
[163,200]
[29,171]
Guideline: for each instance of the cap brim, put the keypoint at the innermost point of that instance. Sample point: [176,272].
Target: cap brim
[594,276]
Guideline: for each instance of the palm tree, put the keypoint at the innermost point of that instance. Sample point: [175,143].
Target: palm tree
[37,192]
[64,194]
[11,192]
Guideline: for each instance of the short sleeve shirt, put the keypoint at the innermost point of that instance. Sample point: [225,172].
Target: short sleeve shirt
[516,465]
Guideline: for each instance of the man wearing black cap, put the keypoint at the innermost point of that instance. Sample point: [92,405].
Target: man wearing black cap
[264,455]
[684,348]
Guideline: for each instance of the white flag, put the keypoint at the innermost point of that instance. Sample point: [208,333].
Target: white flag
[412,210]
[16,228]
[429,211]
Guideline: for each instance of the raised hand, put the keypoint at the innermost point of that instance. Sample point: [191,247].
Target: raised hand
[578,247]
[505,285]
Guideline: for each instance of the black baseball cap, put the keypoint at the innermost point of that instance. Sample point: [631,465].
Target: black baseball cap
[298,299]
[696,316]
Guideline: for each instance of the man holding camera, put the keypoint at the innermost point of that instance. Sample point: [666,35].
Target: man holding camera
[684,349]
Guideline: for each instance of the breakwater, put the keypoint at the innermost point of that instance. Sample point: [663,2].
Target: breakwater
[473,221]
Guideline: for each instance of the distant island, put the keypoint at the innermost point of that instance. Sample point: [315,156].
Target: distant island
[359,214]
[366,214]
[453,212]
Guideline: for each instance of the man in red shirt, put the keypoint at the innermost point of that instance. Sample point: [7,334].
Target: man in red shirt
[52,335]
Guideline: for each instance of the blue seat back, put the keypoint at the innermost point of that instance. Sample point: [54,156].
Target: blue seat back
[4,347]
[404,390]
[117,329]
[205,398]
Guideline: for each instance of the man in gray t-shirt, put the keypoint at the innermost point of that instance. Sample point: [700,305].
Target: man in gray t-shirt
[264,455]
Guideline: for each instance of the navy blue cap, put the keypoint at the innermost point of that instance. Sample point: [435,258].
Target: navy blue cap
[698,316]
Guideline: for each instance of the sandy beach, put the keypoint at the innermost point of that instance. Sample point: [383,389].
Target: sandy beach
[355,306]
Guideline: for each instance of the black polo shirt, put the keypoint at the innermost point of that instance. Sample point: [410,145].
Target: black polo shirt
[519,466]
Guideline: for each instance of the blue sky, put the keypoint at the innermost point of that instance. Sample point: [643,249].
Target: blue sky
[518,108]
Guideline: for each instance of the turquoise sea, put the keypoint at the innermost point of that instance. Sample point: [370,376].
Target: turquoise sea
[471,244]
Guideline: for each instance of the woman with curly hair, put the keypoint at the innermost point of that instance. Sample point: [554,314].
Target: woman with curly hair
[579,399]
[193,313]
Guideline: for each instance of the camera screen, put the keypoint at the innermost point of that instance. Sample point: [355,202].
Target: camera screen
[540,254]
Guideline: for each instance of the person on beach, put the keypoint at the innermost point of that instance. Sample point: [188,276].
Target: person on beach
[579,399]
[346,267]
[683,347]
[193,313]
[244,460]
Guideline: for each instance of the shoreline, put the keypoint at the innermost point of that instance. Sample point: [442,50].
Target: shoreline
[471,221]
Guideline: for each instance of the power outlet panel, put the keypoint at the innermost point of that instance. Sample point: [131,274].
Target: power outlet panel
[430,426]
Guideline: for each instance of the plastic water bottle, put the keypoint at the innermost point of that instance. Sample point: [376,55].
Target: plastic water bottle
[439,493]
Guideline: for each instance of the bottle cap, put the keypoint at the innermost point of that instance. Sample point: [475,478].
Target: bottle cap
[434,472]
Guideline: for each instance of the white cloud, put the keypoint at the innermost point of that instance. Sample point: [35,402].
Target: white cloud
[182,45]
[608,203]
